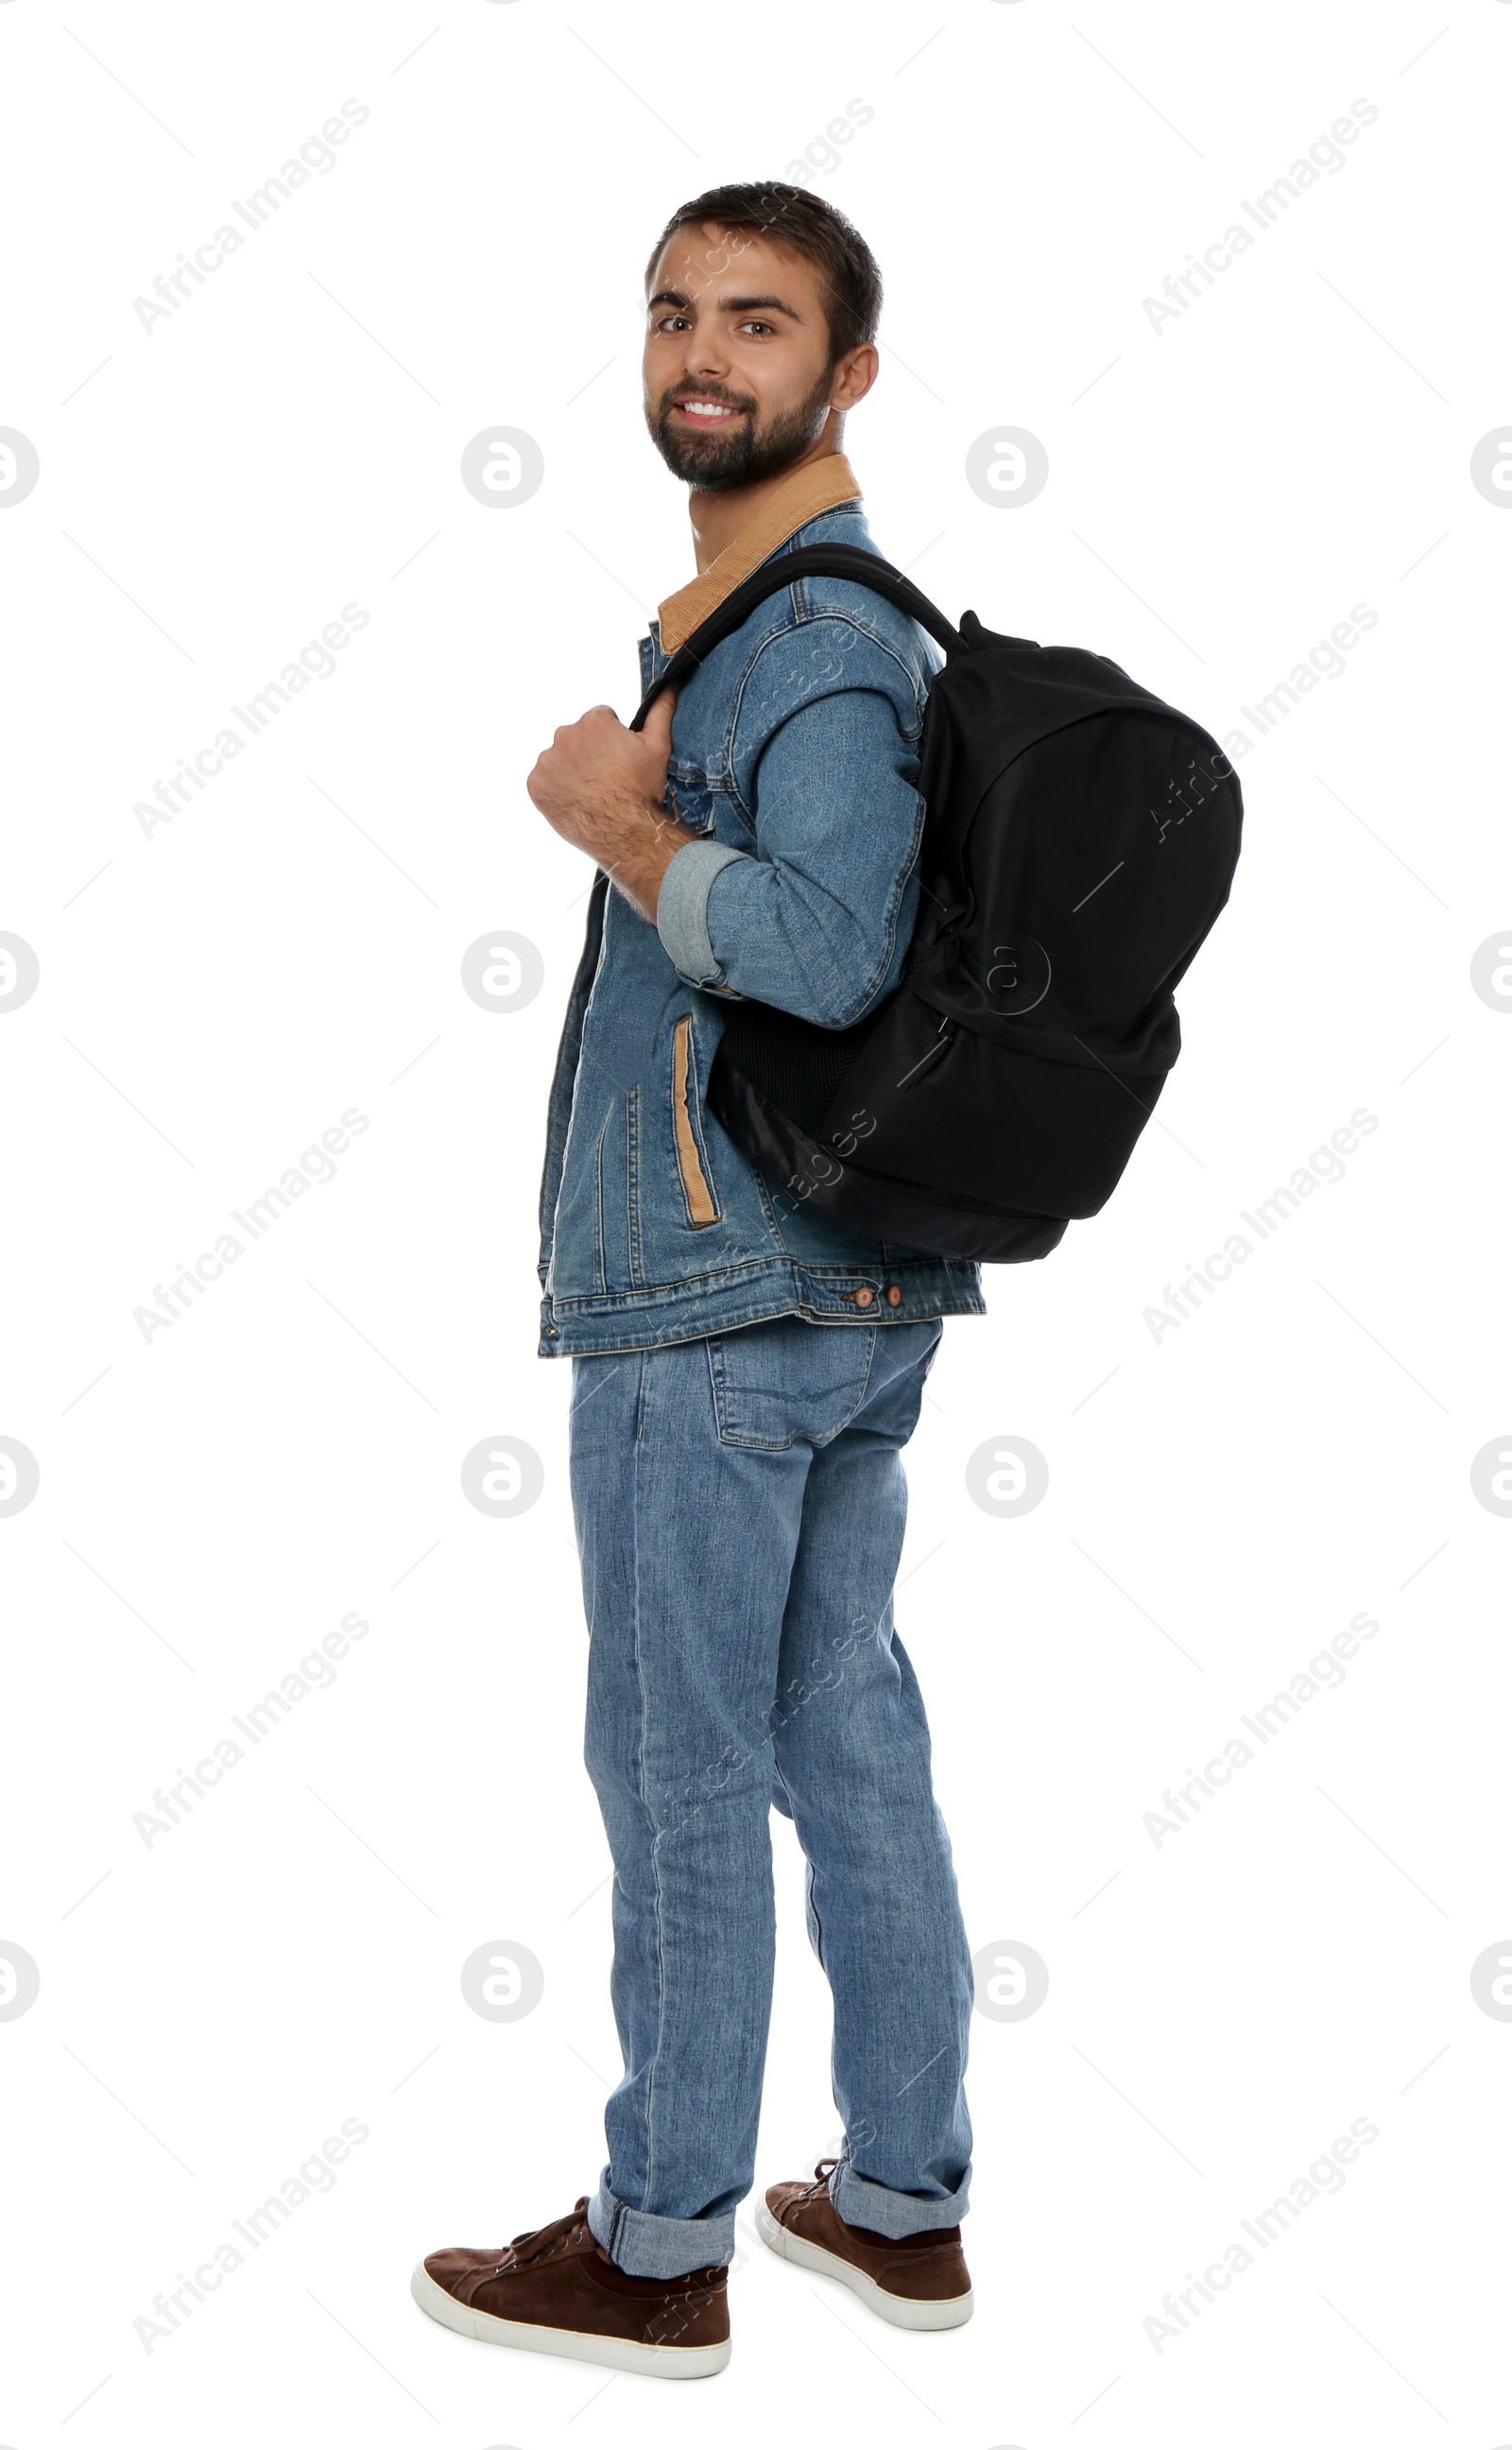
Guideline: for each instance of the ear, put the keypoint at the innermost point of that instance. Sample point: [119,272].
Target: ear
[854,376]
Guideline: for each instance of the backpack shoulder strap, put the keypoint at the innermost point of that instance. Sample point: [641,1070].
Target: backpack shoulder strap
[810,561]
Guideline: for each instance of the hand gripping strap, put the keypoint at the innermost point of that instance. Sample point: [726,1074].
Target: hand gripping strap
[810,561]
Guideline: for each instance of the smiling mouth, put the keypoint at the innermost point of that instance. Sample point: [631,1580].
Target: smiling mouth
[706,412]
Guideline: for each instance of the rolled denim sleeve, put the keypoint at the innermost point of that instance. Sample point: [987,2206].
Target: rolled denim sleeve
[817,922]
[682,910]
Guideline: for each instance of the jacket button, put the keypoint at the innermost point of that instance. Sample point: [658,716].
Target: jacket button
[864,1297]
[551,1331]
[894,1295]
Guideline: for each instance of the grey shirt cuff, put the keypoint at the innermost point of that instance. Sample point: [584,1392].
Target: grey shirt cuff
[682,910]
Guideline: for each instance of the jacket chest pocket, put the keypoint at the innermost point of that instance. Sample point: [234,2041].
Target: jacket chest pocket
[705,802]
[687,1133]
[690,797]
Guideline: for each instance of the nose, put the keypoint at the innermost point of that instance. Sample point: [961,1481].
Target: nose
[705,355]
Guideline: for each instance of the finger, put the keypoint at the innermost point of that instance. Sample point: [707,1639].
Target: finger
[657,729]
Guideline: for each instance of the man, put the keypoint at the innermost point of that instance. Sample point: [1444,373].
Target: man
[744,1372]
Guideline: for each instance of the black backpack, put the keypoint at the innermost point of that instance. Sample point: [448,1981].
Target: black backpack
[1079,841]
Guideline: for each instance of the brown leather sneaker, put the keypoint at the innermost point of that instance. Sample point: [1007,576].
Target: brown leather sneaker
[555,2290]
[920,2282]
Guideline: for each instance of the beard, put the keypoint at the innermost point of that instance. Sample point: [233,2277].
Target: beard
[742,451]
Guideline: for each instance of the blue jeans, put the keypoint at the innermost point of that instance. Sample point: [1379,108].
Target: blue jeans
[740,1505]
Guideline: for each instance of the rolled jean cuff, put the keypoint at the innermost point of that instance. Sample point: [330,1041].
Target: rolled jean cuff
[891,2214]
[682,910]
[652,2248]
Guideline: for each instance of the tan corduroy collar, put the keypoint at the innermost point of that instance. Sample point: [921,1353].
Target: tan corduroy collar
[820,486]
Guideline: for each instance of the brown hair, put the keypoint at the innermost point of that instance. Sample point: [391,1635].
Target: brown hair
[804,224]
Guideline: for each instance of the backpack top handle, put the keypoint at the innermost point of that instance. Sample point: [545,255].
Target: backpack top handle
[810,561]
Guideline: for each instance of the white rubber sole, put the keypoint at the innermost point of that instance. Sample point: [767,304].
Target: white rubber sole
[908,2313]
[629,2356]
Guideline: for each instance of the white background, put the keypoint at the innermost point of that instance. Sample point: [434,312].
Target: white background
[1221,1501]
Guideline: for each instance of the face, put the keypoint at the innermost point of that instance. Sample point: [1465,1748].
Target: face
[738,384]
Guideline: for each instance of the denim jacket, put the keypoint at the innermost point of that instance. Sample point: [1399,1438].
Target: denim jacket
[794,753]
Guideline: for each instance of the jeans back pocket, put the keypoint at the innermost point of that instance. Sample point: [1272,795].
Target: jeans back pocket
[783,1381]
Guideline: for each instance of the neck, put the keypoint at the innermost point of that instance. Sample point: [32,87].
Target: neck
[718,518]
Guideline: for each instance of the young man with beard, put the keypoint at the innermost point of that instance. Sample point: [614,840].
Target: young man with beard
[744,1372]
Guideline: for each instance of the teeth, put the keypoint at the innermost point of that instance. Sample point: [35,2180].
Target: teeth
[704,408]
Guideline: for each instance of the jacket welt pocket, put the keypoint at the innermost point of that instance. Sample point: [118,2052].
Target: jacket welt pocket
[703,1209]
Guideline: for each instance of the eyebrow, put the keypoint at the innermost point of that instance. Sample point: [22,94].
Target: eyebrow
[727,305]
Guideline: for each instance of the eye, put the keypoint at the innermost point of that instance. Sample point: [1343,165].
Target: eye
[753,323]
[673,322]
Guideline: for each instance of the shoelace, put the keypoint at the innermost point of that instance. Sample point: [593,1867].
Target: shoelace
[819,2183]
[534,2244]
